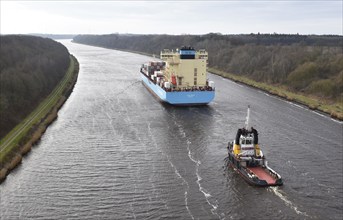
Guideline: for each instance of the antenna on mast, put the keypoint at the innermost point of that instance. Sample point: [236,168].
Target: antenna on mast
[247,118]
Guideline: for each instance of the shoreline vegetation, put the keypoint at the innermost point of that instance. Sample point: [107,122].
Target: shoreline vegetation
[333,110]
[31,67]
[24,136]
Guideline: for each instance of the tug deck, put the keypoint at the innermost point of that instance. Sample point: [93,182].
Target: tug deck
[263,174]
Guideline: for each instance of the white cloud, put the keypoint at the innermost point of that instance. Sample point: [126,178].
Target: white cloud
[171,17]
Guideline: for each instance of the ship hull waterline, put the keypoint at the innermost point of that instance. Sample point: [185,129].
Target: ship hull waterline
[182,98]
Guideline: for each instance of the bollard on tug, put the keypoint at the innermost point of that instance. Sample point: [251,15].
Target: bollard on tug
[247,159]
[180,78]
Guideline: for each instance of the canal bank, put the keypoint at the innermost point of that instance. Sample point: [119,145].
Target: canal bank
[20,140]
[333,110]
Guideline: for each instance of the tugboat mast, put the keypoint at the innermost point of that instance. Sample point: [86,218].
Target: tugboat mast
[247,119]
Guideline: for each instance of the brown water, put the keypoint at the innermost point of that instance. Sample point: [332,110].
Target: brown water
[115,152]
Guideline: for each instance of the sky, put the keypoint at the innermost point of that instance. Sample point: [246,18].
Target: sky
[172,17]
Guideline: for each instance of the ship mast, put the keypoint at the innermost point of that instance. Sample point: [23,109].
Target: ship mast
[247,118]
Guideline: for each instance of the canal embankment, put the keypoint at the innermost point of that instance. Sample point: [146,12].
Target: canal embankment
[20,140]
[330,108]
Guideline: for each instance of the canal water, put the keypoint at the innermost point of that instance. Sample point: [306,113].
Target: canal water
[115,152]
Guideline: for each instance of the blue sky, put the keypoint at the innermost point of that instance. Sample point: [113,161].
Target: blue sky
[171,17]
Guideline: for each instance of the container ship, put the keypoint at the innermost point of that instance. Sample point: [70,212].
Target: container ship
[180,78]
[247,159]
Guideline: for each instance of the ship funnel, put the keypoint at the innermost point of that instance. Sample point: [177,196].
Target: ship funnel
[247,118]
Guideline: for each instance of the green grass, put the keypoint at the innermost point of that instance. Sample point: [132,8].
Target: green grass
[335,109]
[10,142]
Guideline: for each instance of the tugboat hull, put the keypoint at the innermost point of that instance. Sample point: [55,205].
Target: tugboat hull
[258,174]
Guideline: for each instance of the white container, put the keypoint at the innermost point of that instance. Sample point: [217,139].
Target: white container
[211,84]
[158,73]
[167,85]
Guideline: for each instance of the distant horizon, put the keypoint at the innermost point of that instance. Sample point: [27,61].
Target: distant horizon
[312,17]
[33,34]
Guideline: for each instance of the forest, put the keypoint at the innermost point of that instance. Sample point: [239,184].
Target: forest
[306,64]
[30,68]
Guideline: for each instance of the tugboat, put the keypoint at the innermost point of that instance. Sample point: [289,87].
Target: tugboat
[247,159]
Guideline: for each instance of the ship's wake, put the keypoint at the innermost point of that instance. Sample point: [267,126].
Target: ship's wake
[279,194]
[184,182]
[209,198]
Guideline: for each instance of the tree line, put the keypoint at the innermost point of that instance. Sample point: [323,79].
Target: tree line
[311,64]
[30,68]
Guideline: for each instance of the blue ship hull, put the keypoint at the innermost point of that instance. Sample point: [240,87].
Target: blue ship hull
[176,97]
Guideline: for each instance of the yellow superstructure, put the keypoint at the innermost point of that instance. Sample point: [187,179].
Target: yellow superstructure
[236,149]
[187,66]
[257,150]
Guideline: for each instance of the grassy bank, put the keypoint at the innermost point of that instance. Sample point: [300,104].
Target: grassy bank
[335,110]
[20,140]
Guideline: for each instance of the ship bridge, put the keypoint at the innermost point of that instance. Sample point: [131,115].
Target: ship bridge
[183,53]
[187,53]
[188,66]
